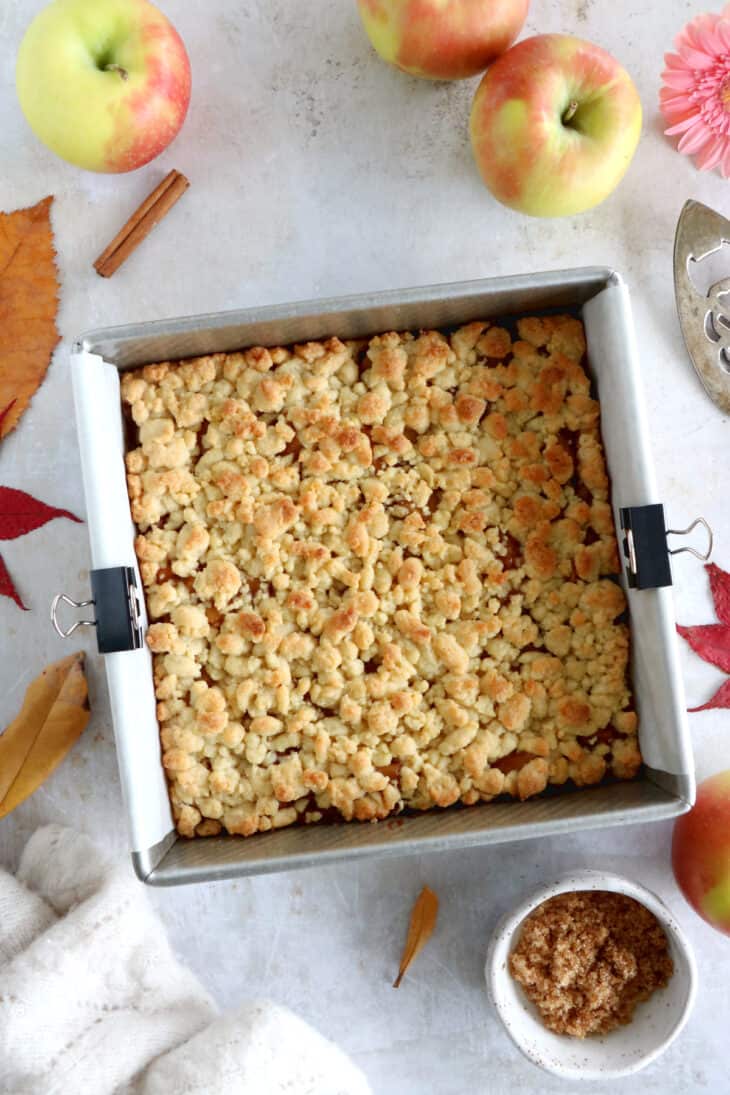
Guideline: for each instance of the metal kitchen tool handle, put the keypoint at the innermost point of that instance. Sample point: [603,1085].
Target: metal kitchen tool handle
[118,620]
[705,320]
[60,599]
[646,549]
[686,532]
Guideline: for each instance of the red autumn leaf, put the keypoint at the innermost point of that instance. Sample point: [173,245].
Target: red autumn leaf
[21,513]
[720,588]
[711,642]
[721,699]
[7,589]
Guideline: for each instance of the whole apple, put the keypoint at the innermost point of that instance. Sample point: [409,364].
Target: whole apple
[442,39]
[554,125]
[701,852]
[105,84]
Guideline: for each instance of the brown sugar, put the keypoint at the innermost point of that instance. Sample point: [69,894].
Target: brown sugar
[586,960]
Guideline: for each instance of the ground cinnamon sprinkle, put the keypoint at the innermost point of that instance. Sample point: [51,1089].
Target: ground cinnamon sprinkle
[587,959]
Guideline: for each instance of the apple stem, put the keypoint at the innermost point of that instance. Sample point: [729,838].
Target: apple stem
[117,68]
[570,112]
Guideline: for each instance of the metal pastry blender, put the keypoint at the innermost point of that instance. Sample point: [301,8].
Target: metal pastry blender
[705,320]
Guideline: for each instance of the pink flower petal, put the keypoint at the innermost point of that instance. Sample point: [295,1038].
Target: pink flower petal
[696,59]
[672,116]
[705,41]
[667,91]
[691,34]
[708,39]
[700,26]
[676,95]
[676,107]
[680,81]
[679,104]
[677,114]
[725,165]
[682,127]
[691,97]
[694,139]
[711,156]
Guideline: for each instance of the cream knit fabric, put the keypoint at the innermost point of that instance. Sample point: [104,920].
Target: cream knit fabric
[93,1001]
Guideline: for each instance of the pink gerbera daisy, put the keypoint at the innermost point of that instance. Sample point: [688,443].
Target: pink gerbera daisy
[695,96]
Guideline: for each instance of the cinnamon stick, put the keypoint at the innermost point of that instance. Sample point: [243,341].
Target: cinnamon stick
[141,223]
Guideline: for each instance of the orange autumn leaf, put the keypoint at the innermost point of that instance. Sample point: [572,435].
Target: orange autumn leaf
[28,306]
[54,713]
[422,923]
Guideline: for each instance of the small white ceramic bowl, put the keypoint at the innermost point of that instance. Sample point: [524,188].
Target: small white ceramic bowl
[626,1050]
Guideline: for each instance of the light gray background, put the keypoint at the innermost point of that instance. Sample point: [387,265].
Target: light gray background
[315,170]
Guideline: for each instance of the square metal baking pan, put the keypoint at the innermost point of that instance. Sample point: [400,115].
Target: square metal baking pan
[666,787]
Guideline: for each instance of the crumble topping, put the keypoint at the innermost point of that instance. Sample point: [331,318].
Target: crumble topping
[379,574]
[586,960]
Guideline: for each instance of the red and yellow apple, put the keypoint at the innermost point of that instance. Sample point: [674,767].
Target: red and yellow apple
[442,39]
[554,125]
[105,84]
[701,852]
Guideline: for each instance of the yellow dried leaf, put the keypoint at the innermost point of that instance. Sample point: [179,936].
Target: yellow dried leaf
[54,713]
[28,306]
[423,921]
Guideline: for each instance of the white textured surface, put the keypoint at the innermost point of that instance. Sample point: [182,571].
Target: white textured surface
[139,1022]
[317,171]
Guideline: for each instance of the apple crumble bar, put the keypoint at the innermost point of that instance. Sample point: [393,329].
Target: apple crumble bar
[380,575]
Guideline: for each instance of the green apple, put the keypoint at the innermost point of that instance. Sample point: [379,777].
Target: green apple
[105,84]
[554,125]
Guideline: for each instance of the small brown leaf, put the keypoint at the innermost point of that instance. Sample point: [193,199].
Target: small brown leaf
[28,306]
[55,711]
[423,921]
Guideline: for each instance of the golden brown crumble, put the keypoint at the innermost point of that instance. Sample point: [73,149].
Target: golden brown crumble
[586,960]
[380,575]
